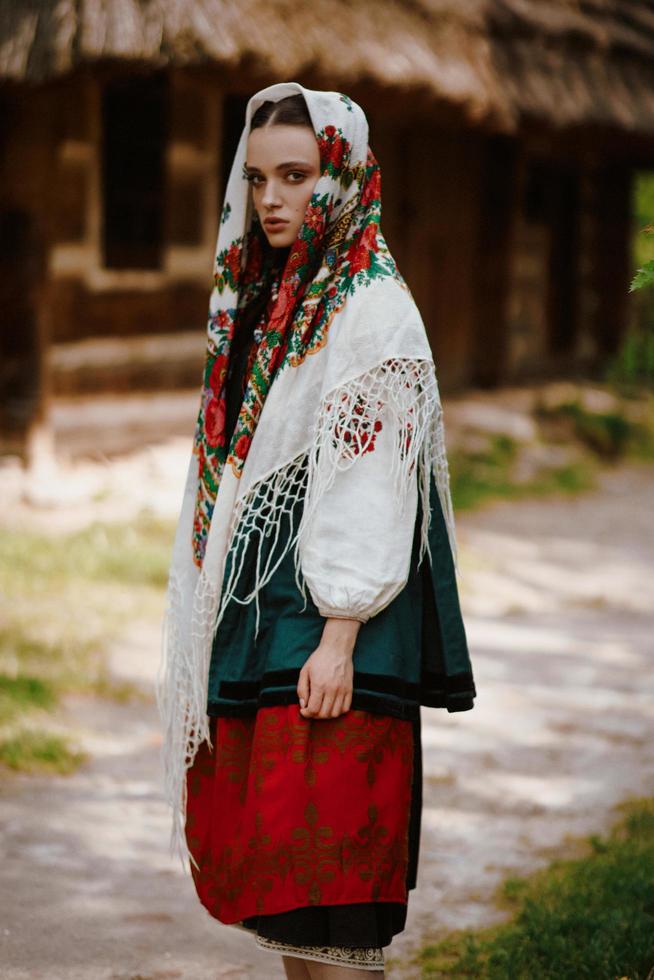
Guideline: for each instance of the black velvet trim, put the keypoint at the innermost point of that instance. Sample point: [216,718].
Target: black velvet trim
[361,701]
[455,684]
[431,683]
[466,704]
[372,692]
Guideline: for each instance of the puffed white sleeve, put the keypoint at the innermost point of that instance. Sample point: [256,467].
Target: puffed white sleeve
[355,552]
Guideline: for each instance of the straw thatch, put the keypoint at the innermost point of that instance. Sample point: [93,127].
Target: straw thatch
[567,61]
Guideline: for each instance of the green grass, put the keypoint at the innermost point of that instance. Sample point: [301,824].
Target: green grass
[611,436]
[135,554]
[63,600]
[18,694]
[477,476]
[484,475]
[591,918]
[37,751]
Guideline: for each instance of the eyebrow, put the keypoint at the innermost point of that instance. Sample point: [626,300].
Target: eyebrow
[280,166]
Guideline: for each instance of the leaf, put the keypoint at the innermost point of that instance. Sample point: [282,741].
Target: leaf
[644,277]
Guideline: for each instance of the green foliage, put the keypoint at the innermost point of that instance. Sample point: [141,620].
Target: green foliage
[643,210]
[644,277]
[591,918]
[633,365]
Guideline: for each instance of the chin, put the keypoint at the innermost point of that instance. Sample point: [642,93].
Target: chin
[281,239]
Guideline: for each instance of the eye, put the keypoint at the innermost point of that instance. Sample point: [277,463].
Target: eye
[297,176]
[251,177]
[255,179]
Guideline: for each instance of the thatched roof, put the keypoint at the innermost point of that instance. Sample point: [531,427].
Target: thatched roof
[568,61]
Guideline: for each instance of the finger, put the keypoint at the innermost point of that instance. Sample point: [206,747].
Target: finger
[347,701]
[337,707]
[315,700]
[303,687]
[327,704]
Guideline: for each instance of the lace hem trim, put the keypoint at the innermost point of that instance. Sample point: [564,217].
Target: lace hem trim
[362,958]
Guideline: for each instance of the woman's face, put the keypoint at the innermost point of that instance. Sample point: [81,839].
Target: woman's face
[283,166]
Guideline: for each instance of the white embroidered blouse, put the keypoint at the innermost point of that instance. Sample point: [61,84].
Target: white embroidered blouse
[357,551]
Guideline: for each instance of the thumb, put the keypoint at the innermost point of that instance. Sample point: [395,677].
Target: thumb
[303,687]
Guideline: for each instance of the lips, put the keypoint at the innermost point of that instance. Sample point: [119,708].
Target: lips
[275,222]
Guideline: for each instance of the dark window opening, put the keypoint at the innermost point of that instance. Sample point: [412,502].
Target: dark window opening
[234,107]
[552,199]
[21,337]
[538,193]
[563,312]
[134,121]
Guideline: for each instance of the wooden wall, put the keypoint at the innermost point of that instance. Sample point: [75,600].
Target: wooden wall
[92,299]
[431,209]
[567,301]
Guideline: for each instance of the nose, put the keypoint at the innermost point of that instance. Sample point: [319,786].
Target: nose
[271,196]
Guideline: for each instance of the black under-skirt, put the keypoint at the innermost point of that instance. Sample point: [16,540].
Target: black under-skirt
[360,924]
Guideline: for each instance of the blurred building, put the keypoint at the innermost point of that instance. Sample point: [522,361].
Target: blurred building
[507,131]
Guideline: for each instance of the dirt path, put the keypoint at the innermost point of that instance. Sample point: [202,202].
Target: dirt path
[559,606]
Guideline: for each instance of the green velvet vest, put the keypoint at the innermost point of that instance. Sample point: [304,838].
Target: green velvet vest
[413,652]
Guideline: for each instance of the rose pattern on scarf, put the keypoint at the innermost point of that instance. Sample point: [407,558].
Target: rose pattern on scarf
[228,266]
[328,262]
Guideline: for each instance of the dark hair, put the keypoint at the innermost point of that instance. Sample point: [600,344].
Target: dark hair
[291,111]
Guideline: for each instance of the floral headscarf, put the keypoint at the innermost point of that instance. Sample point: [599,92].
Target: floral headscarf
[338,248]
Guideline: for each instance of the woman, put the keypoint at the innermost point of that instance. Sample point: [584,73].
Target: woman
[312,599]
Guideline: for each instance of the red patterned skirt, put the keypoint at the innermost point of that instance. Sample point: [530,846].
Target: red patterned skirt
[287,812]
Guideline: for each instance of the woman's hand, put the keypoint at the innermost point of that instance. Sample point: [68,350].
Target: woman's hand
[325,683]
